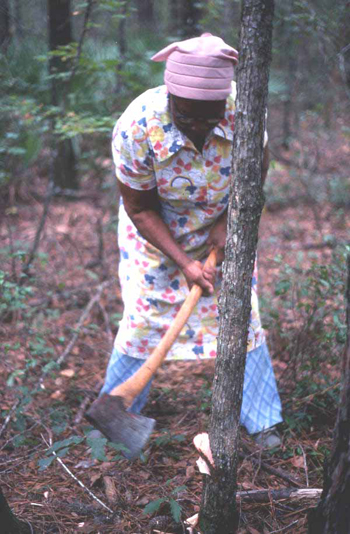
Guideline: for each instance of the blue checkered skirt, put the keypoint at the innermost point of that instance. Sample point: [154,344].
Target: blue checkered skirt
[261,404]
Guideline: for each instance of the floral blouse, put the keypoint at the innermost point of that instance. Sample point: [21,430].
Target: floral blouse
[193,188]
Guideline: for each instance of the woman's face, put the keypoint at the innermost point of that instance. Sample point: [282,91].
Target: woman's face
[196,118]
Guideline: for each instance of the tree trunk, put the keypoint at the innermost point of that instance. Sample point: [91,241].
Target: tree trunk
[190,16]
[218,509]
[122,44]
[145,13]
[8,521]
[173,21]
[60,34]
[5,34]
[332,515]
[291,72]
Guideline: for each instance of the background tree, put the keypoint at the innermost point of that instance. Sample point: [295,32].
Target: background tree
[4,25]
[190,18]
[218,511]
[60,35]
[332,515]
[145,14]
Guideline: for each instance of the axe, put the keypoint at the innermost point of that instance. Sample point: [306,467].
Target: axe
[108,412]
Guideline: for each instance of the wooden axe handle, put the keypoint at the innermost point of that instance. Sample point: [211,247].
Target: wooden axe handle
[138,381]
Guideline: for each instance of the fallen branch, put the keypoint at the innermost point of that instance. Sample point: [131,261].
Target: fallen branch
[289,494]
[272,470]
[305,495]
[81,321]
[9,416]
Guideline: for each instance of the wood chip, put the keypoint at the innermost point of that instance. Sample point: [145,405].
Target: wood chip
[110,489]
[68,373]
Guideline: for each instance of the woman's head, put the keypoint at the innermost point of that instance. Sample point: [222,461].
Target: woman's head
[199,69]
[196,117]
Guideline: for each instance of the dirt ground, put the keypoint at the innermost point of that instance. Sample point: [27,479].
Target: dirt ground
[71,318]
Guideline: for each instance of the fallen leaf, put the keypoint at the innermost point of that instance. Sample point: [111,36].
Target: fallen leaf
[56,395]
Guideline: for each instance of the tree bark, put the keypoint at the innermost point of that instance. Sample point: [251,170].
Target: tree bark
[332,515]
[8,521]
[60,34]
[218,511]
[5,34]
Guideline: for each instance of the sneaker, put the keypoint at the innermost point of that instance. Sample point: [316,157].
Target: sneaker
[269,438]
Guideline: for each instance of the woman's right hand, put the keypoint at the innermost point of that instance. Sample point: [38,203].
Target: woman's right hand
[196,273]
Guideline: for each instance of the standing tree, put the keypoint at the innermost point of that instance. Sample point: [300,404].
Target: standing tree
[5,34]
[218,511]
[332,515]
[145,13]
[60,34]
[190,18]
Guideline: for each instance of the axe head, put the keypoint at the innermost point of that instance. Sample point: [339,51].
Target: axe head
[109,416]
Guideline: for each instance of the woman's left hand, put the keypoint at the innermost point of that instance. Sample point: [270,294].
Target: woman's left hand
[217,238]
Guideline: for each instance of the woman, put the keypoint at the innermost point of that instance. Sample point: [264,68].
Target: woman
[172,150]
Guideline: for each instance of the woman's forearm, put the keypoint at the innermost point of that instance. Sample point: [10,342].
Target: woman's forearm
[152,227]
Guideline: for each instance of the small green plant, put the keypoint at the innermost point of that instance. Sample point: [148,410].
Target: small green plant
[13,296]
[175,508]
[60,449]
[167,438]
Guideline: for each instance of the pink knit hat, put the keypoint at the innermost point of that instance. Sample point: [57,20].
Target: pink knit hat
[200,68]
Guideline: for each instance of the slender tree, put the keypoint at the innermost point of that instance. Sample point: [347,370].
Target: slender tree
[332,515]
[145,13]
[5,34]
[60,34]
[218,513]
[190,16]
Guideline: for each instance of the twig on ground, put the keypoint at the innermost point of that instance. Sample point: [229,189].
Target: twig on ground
[283,494]
[80,413]
[75,478]
[316,394]
[108,325]
[81,321]
[272,470]
[286,527]
[81,484]
[9,416]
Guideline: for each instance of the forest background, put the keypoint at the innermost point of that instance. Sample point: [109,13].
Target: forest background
[62,87]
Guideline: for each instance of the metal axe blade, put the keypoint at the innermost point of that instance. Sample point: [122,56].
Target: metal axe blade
[108,414]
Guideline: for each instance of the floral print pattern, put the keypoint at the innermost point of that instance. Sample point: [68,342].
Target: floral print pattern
[193,187]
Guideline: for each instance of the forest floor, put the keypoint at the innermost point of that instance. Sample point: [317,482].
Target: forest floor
[68,316]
